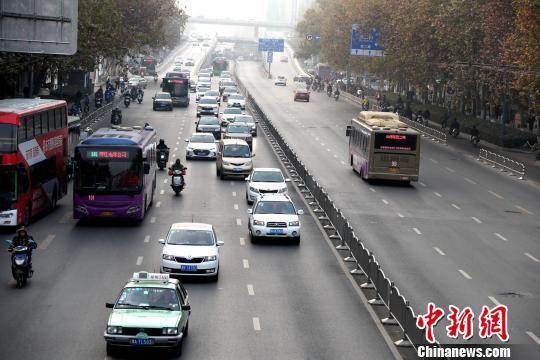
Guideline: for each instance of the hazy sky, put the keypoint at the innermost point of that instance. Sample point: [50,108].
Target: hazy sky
[234,9]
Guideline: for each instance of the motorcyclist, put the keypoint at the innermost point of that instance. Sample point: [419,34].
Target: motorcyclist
[337,92]
[116,112]
[140,92]
[329,88]
[475,133]
[454,125]
[133,92]
[177,166]
[23,239]
[161,146]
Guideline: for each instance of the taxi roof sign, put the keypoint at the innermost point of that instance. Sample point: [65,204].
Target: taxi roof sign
[144,275]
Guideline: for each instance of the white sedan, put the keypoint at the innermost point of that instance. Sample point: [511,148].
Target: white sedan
[201,146]
[191,249]
[137,81]
[265,181]
[280,80]
[229,114]
[236,100]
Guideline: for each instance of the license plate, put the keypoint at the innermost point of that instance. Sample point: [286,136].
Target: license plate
[107,213]
[188,267]
[276,231]
[141,341]
[393,170]
[237,169]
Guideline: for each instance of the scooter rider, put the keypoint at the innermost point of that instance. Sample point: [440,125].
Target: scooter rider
[177,166]
[133,92]
[161,146]
[116,113]
[475,133]
[23,239]
[329,89]
[454,126]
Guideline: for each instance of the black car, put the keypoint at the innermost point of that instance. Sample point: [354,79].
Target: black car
[162,101]
[209,124]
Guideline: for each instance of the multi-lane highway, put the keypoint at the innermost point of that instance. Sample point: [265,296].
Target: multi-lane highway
[272,301]
[463,235]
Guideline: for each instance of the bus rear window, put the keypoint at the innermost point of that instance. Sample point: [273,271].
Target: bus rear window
[8,138]
[402,142]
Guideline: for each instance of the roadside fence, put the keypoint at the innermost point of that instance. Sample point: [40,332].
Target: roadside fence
[382,290]
[503,163]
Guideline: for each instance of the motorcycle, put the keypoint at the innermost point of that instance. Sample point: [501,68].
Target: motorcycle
[329,93]
[177,180]
[475,140]
[139,97]
[163,158]
[98,102]
[454,132]
[116,117]
[336,96]
[155,78]
[20,265]
[127,100]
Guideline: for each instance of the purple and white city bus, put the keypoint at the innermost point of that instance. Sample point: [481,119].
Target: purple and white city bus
[115,174]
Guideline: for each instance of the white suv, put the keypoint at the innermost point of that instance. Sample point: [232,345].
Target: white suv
[274,216]
[191,249]
[265,181]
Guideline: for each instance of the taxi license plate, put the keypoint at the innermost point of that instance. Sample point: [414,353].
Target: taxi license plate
[394,170]
[141,341]
[276,231]
[237,169]
[188,267]
[107,213]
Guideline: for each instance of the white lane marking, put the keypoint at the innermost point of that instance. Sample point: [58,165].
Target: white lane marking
[400,215]
[238,221]
[501,237]
[235,206]
[335,156]
[139,260]
[385,201]
[317,138]
[178,137]
[450,169]
[161,192]
[245,263]
[242,242]
[470,181]
[531,257]
[495,194]
[493,300]
[417,231]
[178,143]
[165,181]
[372,189]
[152,219]
[158,204]
[322,144]
[435,161]
[234,193]
[147,238]
[45,244]
[467,276]
[476,219]
[328,150]
[422,184]
[342,162]
[175,149]
[523,209]
[534,337]
[256,324]
[439,251]
[65,218]
[457,207]
[251,292]
[437,194]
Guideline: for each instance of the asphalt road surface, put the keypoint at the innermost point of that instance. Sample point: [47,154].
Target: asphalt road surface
[464,234]
[272,301]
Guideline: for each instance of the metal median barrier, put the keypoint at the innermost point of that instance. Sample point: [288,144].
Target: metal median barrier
[503,163]
[385,292]
[98,115]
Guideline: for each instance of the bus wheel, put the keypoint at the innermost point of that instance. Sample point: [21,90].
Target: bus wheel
[54,200]
[28,214]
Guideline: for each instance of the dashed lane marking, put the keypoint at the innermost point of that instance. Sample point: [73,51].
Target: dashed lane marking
[234,193]
[165,181]
[524,210]
[250,290]
[493,300]
[417,231]
[161,192]
[437,194]
[457,207]
[385,201]
[65,218]
[152,219]
[242,241]
[175,149]
[245,262]
[495,194]
[147,238]
[335,156]
[439,251]
[342,162]
[256,324]
[450,169]
[177,143]
[139,260]
[434,161]
[400,215]
[235,206]
[422,184]
[45,244]
[372,189]
[476,219]
[531,257]
[470,181]
[158,204]
[534,337]
[465,275]
[501,237]
[238,221]
[328,150]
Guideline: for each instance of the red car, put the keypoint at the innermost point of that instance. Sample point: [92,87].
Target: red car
[301,94]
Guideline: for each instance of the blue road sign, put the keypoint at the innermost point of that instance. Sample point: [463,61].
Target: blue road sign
[275,45]
[366,45]
[269,57]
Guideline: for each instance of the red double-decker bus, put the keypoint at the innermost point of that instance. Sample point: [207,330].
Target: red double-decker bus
[33,157]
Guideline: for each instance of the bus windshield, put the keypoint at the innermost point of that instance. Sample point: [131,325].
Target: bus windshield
[108,170]
[8,185]
[8,138]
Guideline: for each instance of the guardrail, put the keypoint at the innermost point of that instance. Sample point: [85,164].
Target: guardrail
[383,291]
[503,163]
[98,115]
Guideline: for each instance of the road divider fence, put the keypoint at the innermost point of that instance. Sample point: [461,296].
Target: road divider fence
[382,290]
[503,163]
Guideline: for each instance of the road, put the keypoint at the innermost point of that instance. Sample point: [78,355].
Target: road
[464,234]
[272,301]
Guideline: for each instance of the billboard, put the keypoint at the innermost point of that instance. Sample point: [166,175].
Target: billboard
[42,27]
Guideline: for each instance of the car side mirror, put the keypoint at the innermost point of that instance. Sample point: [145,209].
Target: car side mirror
[220,243]
[186,140]
[250,211]
[186,307]
[109,305]
[256,121]
[287,180]
[161,241]
[253,155]
[247,178]
[196,122]
[147,168]
[153,98]
[300,212]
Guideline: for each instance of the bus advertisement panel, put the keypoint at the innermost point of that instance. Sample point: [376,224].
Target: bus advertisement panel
[33,157]
[115,174]
[382,147]
[178,87]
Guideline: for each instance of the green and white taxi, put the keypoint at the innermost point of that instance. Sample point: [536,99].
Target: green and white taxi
[151,311]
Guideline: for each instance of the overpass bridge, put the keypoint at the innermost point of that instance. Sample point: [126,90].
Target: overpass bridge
[255,24]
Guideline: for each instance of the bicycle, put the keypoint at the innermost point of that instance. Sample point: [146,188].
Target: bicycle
[532,147]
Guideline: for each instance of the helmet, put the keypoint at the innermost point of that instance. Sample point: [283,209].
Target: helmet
[21,230]
[177,161]
[161,142]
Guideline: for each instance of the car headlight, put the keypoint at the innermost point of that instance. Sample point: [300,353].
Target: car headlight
[114,329]
[282,190]
[247,162]
[170,331]
[226,163]
[210,258]
[258,222]
[168,257]
[189,148]
[251,188]
[294,223]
